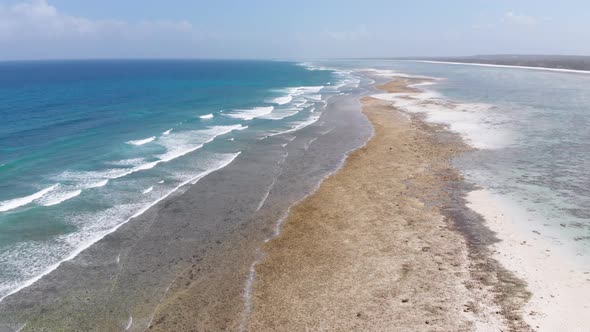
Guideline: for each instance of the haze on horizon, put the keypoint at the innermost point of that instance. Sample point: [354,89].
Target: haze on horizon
[72,29]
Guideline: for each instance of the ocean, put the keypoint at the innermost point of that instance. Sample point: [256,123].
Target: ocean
[86,145]
[122,183]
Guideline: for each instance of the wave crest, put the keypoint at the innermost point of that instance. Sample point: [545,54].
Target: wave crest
[142,141]
[252,113]
[12,204]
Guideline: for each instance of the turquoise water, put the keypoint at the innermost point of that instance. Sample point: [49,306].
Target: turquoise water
[531,131]
[86,145]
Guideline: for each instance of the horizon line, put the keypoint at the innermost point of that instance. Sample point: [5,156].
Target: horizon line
[415,57]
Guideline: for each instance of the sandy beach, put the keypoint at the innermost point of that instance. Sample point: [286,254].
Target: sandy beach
[560,292]
[387,244]
[364,221]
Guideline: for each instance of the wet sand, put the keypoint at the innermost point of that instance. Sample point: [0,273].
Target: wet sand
[386,244]
[560,290]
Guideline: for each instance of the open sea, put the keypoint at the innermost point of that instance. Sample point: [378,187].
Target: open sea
[86,145]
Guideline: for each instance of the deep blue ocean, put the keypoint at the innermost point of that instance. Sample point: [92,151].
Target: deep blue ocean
[86,145]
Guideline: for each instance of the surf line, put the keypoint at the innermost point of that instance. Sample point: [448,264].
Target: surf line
[260,255]
[87,245]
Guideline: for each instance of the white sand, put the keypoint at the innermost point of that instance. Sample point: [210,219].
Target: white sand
[506,66]
[561,290]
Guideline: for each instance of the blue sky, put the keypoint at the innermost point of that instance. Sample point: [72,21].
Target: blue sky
[43,29]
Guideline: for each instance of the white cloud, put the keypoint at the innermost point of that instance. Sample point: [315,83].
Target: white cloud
[39,19]
[519,19]
[28,26]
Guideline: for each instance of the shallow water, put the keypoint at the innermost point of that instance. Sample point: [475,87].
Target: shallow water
[531,129]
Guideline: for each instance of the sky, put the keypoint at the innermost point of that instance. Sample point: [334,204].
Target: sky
[276,29]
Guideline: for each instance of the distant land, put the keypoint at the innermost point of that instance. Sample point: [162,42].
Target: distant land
[575,62]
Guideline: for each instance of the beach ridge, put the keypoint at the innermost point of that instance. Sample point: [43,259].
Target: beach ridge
[378,248]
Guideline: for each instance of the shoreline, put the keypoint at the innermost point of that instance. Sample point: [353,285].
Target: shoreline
[338,264]
[176,191]
[561,70]
[184,261]
[390,234]
[560,292]
[260,255]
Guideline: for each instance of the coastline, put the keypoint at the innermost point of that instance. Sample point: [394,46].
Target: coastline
[560,292]
[391,235]
[176,191]
[384,242]
[561,70]
[183,262]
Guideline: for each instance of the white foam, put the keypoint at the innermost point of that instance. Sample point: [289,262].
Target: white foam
[142,141]
[93,179]
[128,162]
[305,89]
[480,127]
[59,197]
[312,67]
[160,182]
[393,74]
[265,196]
[348,81]
[249,114]
[12,204]
[427,83]
[177,144]
[247,292]
[98,184]
[183,143]
[148,190]
[167,132]
[280,114]
[311,120]
[317,97]
[283,100]
[302,103]
[206,116]
[306,147]
[135,169]
[403,99]
[180,144]
[78,242]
